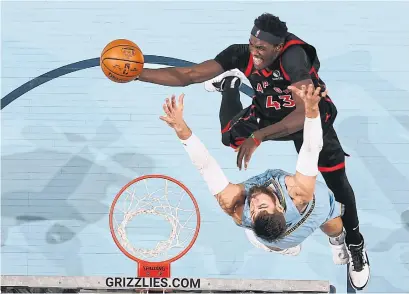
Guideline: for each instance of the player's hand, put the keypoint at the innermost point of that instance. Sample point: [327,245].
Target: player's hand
[229,203]
[245,151]
[174,112]
[310,96]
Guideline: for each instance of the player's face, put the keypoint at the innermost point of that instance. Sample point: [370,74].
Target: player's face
[263,53]
[260,202]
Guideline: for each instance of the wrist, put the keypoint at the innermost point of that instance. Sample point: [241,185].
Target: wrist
[256,136]
[312,113]
[183,131]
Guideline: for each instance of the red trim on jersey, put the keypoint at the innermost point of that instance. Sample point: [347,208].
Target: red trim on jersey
[247,72]
[290,43]
[332,168]
[314,71]
[226,128]
[266,73]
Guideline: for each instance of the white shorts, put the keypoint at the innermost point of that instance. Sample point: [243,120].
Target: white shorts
[256,243]
[253,240]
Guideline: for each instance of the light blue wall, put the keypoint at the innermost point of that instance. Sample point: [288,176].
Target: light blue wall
[69,145]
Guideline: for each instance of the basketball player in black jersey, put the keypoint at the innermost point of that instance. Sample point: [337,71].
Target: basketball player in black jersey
[273,60]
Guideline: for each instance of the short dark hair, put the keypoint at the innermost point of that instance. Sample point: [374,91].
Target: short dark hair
[271,24]
[268,226]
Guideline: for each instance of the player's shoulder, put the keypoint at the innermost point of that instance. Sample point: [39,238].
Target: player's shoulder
[234,56]
[294,51]
[276,173]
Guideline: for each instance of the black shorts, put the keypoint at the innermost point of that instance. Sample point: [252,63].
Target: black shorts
[332,156]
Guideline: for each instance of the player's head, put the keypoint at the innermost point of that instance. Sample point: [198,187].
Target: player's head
[267,39]
[266,213]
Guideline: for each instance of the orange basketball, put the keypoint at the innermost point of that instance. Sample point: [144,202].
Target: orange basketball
[122,61]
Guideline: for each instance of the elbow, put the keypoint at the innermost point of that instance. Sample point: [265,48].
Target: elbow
[187,77]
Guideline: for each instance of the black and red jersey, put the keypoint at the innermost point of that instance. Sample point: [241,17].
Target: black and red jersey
[297,61]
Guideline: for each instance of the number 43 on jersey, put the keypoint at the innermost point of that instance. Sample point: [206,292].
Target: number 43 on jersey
[287,99]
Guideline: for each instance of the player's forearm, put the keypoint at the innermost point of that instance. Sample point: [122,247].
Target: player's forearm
[208,167]
[170,76]
[292,123]
[307,163]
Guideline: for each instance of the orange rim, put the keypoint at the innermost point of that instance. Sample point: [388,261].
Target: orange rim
[111,225]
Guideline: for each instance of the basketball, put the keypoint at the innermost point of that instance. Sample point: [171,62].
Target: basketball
[122,61]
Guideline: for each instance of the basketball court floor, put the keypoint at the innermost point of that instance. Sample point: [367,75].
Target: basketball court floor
[71,139]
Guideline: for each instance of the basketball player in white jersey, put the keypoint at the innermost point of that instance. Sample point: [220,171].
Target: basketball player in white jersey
[278,210]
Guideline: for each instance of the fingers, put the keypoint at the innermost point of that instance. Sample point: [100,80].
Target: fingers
[173,103]
[166,107]
[246,159]
[299,92]
[308,92]
[240,156]
[317,90]
[166,119]
[181,98]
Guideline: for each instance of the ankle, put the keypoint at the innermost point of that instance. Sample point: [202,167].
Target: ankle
[338,240]
[353,238]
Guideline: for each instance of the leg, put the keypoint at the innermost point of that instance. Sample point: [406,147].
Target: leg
[239,128]
[231,104]
[334,230]
[228,83]
[236,123]
[332,167]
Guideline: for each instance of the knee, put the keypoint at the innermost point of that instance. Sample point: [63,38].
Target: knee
[226,139]
[333,227]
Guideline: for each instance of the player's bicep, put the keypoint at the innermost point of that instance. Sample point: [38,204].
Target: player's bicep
[296,64]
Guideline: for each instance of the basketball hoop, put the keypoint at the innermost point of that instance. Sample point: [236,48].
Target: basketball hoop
[135,200]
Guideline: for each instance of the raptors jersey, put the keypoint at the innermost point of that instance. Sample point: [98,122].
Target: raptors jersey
[272,99]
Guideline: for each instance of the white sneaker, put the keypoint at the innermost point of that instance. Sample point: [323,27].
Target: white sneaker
[339,249]
[339,253]
[359,268]
[216,84]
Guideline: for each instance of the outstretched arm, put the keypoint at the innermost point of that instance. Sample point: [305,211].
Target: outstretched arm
[182,76]
[307,163]
[227,194]
[234,56]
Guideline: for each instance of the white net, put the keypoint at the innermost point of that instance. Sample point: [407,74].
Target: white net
[143,213]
